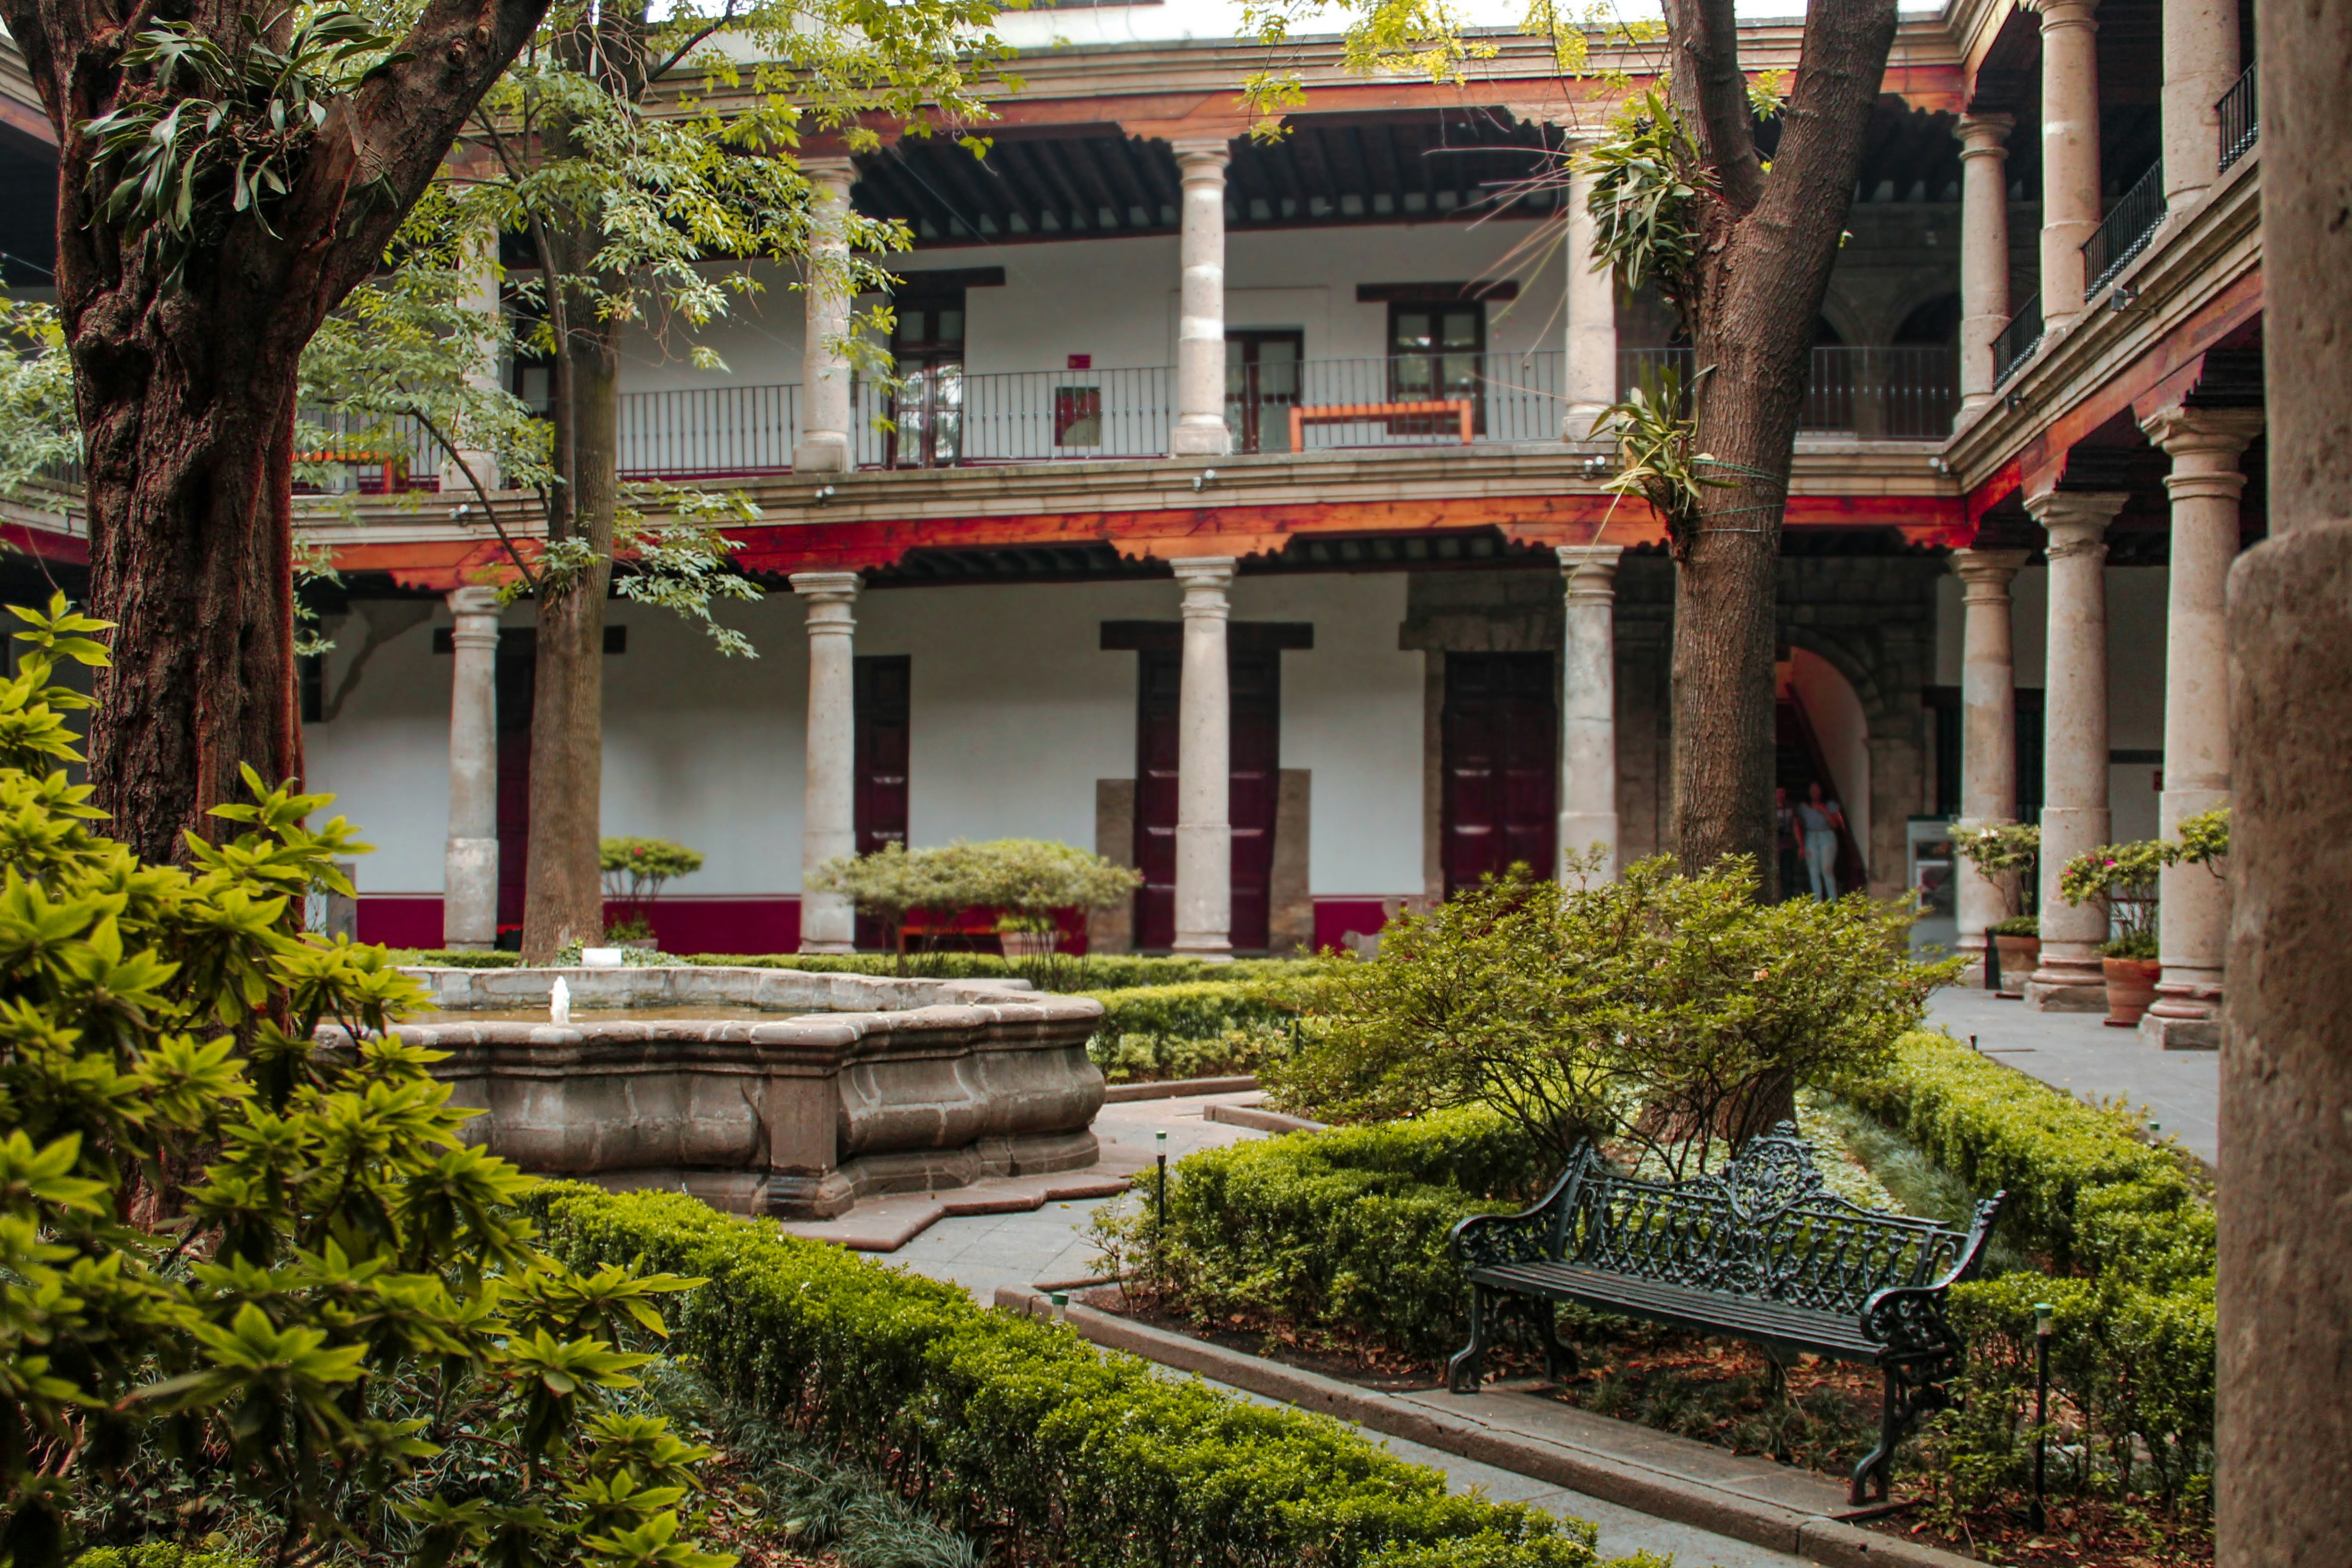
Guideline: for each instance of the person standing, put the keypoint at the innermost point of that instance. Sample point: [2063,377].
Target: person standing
[1822,822]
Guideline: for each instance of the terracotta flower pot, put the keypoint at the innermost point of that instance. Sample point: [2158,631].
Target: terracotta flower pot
[1021,944]
[2131,987]
[2019,954]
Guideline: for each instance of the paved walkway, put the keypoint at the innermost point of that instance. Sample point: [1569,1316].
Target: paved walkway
[2181,1090]
[981,1252]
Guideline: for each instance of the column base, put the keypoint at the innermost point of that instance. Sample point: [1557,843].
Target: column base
[448,946]
[827,947]
[1208,949]
[1201,441]
[2180,1034]
[2067,984]
[822,458]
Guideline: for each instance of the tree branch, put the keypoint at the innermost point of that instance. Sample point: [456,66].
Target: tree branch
[1711,94]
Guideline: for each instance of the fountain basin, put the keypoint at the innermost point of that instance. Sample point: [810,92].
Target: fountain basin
[848,1085]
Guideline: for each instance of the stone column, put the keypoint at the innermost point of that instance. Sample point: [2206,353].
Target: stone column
[2069,153]
[481,296]
[1199,430]
[2073,745]
[2282,1477]
[825,446]
[1590,381]
[2194,903]
[829,816]
[1988,733]
[2200,63]
[1984,250]
[1588,704]
[1204,832]
[469,874]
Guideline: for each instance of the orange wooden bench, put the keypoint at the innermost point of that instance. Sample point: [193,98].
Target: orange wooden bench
[1348,413]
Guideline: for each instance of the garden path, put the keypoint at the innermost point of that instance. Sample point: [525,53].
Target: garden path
[1049,1246]
[2078,1053]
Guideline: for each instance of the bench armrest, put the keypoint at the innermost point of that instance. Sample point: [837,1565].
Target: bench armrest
[1486,1240]
[1909,1321]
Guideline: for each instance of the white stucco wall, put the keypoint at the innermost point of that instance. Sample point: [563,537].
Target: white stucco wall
[1016,712]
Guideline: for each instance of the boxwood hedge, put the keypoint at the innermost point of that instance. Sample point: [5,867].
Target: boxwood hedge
[1016,1427]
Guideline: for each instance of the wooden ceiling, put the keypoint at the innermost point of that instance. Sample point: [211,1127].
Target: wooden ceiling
[1334,169]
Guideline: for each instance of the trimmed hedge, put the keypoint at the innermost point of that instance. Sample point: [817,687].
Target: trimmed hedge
[1114,972]
[1190,1030]
[455,958]
[1341,1230]
[2130,1241]
[1100,1461]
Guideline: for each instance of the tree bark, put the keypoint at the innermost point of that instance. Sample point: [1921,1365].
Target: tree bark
[564,899]
[185,386]
[1770,242]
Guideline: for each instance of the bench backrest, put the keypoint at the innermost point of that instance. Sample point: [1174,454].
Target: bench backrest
[1763,1225]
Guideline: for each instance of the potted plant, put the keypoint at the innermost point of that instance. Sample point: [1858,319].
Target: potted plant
[2014,948]
[2006,854]
[635,870]
[2122,878]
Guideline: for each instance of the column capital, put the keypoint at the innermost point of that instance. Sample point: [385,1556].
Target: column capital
[1988,573]
[1203,159]
[2057,14]
[2223,433]
[473,601]
[1985,135]
[1204,572]
[827,587]
[2076,520]
[1590,569]
[829,172]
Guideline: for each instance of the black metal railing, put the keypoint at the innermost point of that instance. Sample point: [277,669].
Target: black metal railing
[2017,340]
[2241,123]
[1897,393]
[2126,232]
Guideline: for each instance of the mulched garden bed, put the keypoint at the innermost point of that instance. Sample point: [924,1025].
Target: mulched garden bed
[1721,1392]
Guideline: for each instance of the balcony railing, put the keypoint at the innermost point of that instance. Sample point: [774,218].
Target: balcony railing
[2125,234]
[2017,340]
[1899,393]
[2241,123]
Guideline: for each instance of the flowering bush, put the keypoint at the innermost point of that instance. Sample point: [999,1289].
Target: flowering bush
[2121,878]
[2006,854]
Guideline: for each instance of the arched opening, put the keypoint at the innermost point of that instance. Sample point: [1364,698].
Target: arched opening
[1823,735]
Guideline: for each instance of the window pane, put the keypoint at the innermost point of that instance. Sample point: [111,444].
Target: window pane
[951,327]
[1409,332]
[1462,329]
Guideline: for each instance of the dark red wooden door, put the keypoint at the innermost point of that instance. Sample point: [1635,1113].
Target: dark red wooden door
[880,683]
[517,673]
[1502,765]
[1256,740]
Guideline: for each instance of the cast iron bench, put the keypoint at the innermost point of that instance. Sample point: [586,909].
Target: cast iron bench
[1757,1250]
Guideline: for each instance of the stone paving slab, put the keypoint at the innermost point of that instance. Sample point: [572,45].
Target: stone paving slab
[2078,1053]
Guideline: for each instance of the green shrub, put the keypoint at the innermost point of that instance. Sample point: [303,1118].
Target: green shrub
[1193,1029]
[2128,1237]
[1093,1460]
[1671,1010]
[1342,1230]
[1091,974]
[251,1284]
[454,958]
[2016,925]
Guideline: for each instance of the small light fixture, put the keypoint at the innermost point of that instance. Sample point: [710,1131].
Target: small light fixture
[2123,299]
[1201,481]
[824,493]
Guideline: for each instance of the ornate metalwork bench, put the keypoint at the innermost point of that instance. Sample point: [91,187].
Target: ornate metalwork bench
[1758,1250]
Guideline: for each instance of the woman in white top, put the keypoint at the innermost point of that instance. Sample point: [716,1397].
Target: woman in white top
[1821,822]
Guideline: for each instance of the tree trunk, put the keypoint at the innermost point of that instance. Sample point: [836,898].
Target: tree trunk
[188,413]
[1770,242]
[184,379]
[563,899]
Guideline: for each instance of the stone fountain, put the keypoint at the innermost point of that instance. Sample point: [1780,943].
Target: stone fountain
[799,1094]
